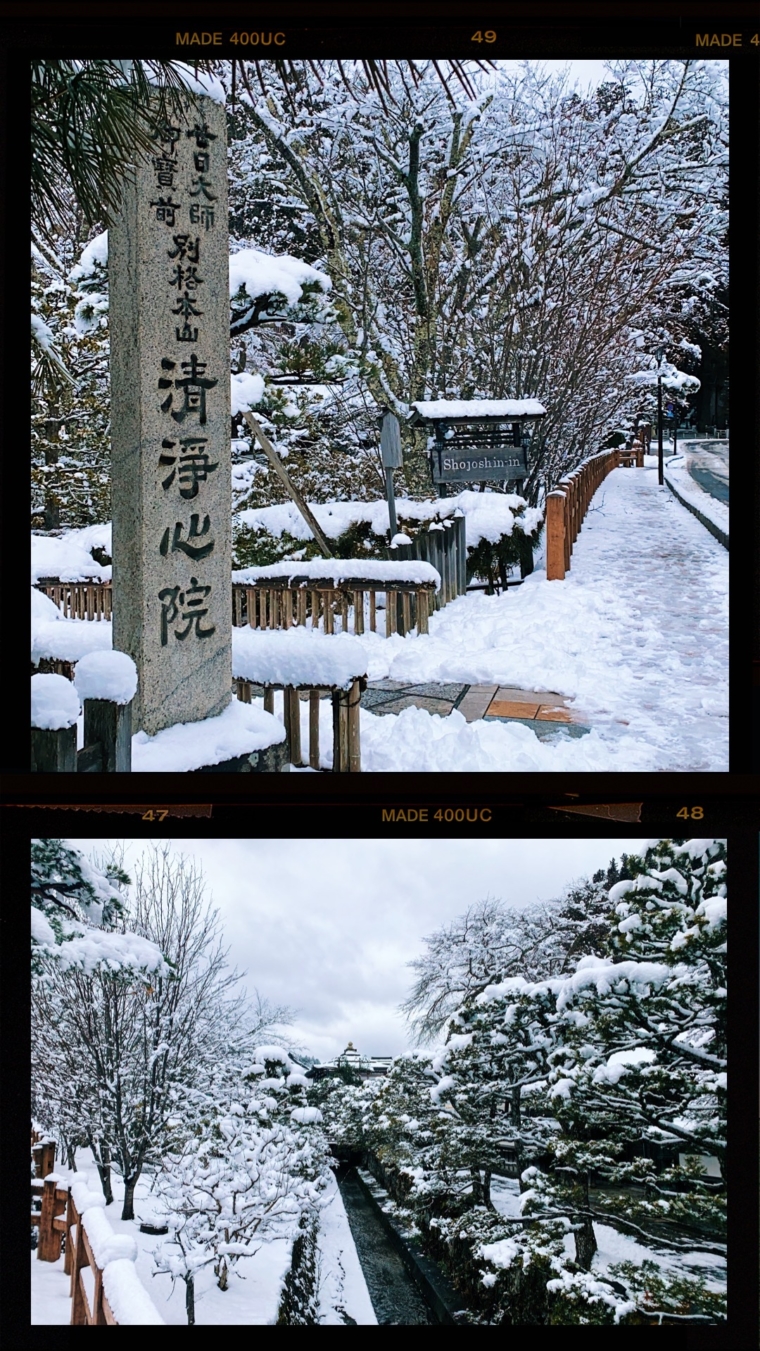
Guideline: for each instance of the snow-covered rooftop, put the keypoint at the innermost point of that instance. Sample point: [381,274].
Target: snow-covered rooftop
[455,409]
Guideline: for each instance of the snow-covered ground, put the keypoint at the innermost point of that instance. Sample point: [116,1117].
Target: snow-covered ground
[635,638]
[253,1295]
[343,1293]
[614,1246]
[678,472]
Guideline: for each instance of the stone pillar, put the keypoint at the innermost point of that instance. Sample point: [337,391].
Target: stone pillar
[170,421]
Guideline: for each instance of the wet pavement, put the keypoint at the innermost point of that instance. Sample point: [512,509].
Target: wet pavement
[544,711]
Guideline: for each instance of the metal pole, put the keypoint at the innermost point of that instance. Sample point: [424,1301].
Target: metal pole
[660,473]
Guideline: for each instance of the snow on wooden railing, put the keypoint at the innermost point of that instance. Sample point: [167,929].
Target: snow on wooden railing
[105,1288]
[567,505]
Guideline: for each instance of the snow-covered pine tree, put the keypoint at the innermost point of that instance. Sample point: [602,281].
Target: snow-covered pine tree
[639,1089]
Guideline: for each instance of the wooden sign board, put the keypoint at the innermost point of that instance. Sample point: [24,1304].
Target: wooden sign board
[471,466]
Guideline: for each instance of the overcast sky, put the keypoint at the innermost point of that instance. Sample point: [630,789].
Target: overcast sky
[327,927]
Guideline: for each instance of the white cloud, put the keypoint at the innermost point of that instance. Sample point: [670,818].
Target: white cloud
[328,926]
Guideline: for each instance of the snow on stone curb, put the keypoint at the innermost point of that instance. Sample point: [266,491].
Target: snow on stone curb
[692,495]
[115,1254]
[335,571]
[106,675]
[55,702]
[297,656]
[239,730]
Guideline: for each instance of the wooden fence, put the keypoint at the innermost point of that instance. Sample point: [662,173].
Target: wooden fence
[345,719]
[275,604]
[58,1223]
[92,1309]
[444,545]
[567,505]
[79,600]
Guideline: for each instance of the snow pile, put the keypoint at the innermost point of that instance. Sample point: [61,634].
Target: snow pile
[506,408]
[246,390]
[69,640]
[333,571]
[678,477]
[487,516]
[296,656]
[116,1255]
[43,608]
[68,557]
[258,273]
[107,675]
[306,1116]
[55,702]
[239,730]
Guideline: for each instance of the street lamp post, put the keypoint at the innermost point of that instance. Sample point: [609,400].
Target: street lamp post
[660,353]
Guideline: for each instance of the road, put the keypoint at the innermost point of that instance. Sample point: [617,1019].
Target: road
[707,462]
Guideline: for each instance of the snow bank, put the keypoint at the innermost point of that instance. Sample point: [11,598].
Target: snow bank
[258,273]
[487,516]
[68,556]
[296,656]
[691,494]
[106,675]
[43,608]
[443,408]
[116,1255]
[334,571]
[239,730]
[55,702]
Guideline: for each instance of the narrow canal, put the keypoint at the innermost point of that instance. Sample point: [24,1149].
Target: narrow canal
[395,1297]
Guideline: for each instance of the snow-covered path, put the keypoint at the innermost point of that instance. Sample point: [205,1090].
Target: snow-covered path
[636,636]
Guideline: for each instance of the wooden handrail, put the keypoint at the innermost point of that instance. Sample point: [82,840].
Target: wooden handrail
[567,505]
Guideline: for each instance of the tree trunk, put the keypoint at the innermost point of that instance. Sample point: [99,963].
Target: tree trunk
[104,1170]
[128,1210]
[487,1189]
[477,1187]
[190,1298]
[585,1238]
[52,507]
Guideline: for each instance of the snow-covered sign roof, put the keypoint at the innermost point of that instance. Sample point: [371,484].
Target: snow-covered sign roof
[466,410]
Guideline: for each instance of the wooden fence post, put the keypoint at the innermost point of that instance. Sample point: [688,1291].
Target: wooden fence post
[555,537]
[354,737]
[111,725]
[54,751]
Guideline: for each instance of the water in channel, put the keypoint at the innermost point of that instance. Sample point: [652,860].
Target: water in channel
[395,1297]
